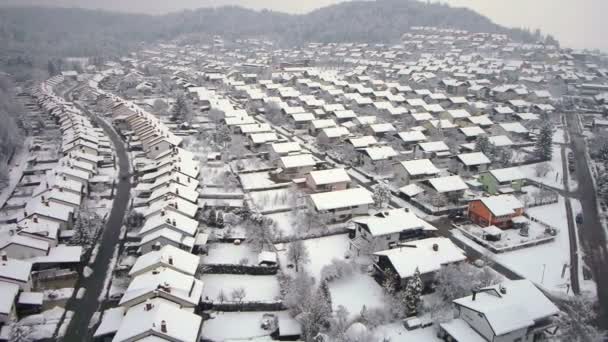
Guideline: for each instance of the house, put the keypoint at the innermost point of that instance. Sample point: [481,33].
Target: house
[169,220]
[513,311]
[169,257]
[328,180]
[342,204]
[496,211]
[363,142]
[414,170]
[425,255]
[386,229]
[295,166]
[16,272]
[437,151]
[8,297]
[157,320]
[332,135]
[22,246]
[163,282]
[375,154]
[278,150]
[452,187]
[411,138]
[504,180]
[471,162]
[166,236]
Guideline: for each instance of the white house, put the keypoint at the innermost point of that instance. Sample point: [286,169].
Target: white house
[415,170]
[513,311]
[386,229]
[342,204]
[327,180]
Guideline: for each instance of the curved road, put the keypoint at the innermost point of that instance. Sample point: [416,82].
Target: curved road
[78,329]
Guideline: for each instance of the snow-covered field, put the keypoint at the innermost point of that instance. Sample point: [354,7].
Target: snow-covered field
[227,253]
[257,288]
[321,251]
[235,325]
[354,292]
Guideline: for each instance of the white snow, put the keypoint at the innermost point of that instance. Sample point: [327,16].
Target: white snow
[395,332]
[227,253]
[354,292]
[224,325]
[554,177]
[257,288]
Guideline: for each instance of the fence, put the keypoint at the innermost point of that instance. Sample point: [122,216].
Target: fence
[498,250]
[242,306]
[237,269]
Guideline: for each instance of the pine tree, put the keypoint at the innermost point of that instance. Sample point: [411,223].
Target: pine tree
[180,109]
[212,221]
[544,144]
[412,294]
[219,222]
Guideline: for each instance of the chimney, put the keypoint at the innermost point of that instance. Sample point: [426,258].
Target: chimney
[162,213]
[173,223]
[35,219]
[435,247]
[4,256]
[156,246]
[170,260]
[474,294]
[502,289]
[163,326]
[148,305]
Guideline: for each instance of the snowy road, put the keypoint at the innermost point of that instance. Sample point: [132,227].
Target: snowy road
[591,232]
[78,329]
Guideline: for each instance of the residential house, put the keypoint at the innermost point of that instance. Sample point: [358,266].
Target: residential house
[414,170]
[496,211]
[328,180]
[505,180]
[341,205]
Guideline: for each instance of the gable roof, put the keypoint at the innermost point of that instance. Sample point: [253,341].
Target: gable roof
[392,221]
[341,199]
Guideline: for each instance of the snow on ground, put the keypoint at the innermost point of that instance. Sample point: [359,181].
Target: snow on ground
[549,258]
[16,168]
[43,325]
[285,222]
[257,288]
[555,175]
[355,291]
[558,136]
[224,325]
[395,332]
[271,199]
[227,253]
[321,251]
[256,180]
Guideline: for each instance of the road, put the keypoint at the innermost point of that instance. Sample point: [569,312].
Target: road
[78,330]
[591,232]
[573,238]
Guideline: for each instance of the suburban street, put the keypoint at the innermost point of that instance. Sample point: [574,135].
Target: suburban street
[78,329]
[591,232]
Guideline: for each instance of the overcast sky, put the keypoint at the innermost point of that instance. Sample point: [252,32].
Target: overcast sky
[576,23]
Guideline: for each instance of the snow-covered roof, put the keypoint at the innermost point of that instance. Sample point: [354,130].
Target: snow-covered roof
[447,184]
[13,269]
[110,322]
[364,141]
[514,127]
[420,167]
[286,147]
[392,221]
[500,140]
[331,176]
[412,136]
[501,205]
[421,254]
[144,323]
[174,219]
[462,331]
[341,199]
[382,128]
[411,190]
[472,131]
[482,120]
[179,286]
[298,160]
[335,132]
[380,152]
[474,158]
[168,256]
[520,305]
[458,113]
[434,146]
[507,174]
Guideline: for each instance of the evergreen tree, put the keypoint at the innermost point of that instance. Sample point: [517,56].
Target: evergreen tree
[219,222]
[544,144]
[180,109]
[483,145]
[381,196]
[212,221]
[412,294]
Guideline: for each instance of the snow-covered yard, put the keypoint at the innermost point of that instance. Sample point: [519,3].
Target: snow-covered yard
[554,176]
[355,291]
[275,199]
[256,180]
[510,237]
[227,253]
[395,332]
[285,222]
[543,264]
[257,288]
[321,251]
[235,326]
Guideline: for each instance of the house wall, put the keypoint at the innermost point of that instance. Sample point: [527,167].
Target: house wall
[159,149]
[477,321]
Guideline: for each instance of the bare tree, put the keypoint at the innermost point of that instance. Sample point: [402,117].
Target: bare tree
[238,294]
[297,253]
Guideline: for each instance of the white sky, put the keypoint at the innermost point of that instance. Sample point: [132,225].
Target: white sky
[576,23]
